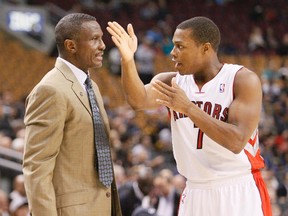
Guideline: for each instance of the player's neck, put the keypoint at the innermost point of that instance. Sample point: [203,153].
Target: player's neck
[208,74]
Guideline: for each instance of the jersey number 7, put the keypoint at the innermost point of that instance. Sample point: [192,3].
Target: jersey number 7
[200,139]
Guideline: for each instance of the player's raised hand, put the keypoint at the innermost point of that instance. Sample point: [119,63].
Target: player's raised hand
[126,41]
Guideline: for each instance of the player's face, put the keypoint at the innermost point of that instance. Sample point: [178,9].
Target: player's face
[90,46]
[186,54]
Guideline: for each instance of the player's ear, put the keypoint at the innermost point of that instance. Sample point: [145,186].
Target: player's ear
[206,47]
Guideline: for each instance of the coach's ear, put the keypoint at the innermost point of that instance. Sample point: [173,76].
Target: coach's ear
[70,45]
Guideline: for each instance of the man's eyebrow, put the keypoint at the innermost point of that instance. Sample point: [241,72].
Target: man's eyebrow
[177,42]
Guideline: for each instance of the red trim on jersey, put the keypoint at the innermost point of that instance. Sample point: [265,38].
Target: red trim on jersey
[266,205]
[233,92]
[257,163]
[200,139]
[253,141]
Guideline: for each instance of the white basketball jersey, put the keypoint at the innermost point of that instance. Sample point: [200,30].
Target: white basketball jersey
[199,158]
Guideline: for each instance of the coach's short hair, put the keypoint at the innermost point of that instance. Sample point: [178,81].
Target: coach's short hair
[203,30]
[69,27]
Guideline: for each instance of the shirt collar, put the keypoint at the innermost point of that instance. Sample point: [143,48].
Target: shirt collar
[80,75]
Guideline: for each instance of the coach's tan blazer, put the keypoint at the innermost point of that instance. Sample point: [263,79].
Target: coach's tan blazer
[60,178]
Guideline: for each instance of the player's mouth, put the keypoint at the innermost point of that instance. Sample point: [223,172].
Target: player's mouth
[177,64]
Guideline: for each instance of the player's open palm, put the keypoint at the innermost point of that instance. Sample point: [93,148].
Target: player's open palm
[125,41]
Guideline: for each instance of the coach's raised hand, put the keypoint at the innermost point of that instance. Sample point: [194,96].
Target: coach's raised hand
[125,41]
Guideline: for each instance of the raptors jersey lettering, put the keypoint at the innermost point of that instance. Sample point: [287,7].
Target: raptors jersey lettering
[199,158]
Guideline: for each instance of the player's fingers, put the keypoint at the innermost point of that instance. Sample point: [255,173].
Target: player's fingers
[161,96]
[111,31]
[130,30]
[116,28]
[116,41]
[162,102]
[174,85]
[161,89]
[114,35]
[164,86]
[120,30]
[119,27]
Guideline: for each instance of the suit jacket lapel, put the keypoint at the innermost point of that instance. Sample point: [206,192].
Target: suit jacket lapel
[75,85]
[81,93]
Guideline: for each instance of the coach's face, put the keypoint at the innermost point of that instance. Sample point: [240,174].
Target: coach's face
[89,46]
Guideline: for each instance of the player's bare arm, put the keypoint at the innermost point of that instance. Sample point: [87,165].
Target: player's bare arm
[244,112]
[138,96]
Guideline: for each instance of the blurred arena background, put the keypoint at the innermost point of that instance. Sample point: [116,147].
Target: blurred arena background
[254,33]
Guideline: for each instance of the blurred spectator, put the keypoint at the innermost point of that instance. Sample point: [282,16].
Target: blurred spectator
[271,40]
[179,182]
[91,4]
[271,15]
[77,7]
[256,41]
[145,153]
[270,71]
[283,47]
[132,193]
[283,70]
[281,195]
[167,45]
[164,198]
[19,208]
[140,211]
[257,13]
[144,57]
[18,192]
[4,203]
[162,10]
[120,175]
[275,90]
[149,11]
[141,155]
[18,143]
[114,61]
[167,33]
[280,114]
[120,6]
[5,124]
[5,141]
[169,197]
[154,34]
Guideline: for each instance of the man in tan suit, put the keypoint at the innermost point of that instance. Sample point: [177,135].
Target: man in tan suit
[60,176]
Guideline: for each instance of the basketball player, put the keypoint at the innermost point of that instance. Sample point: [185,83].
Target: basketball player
[214,110]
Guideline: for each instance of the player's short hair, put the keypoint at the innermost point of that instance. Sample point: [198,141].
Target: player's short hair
[203,30]
[69,27]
